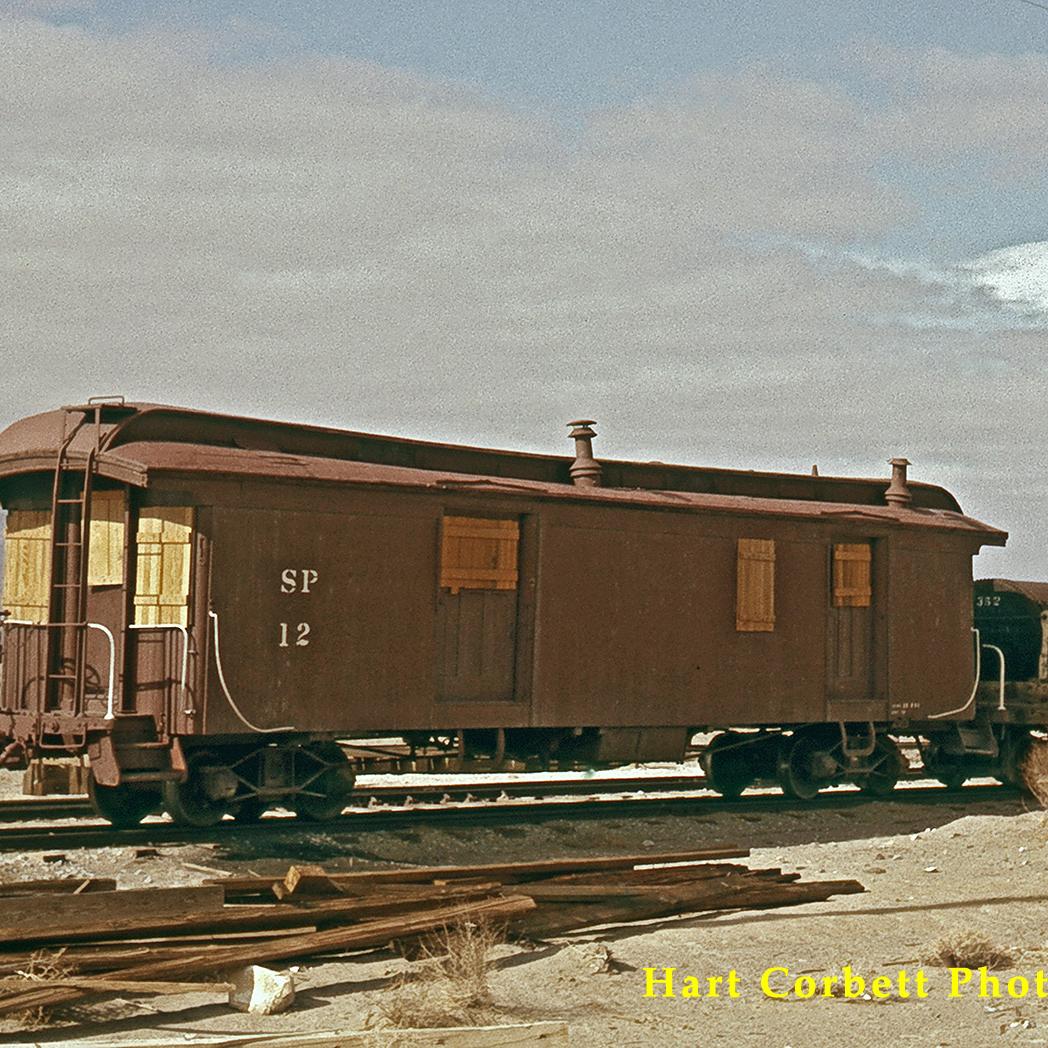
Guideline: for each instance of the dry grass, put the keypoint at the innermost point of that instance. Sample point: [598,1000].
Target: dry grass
[969,950]
[1035,772]
[450,986]
[43,967]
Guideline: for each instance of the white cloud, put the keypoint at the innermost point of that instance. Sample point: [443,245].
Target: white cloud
[1017,275]
[333,241]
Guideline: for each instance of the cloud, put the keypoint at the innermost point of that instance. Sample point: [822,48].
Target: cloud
[338,242]
[1017,275]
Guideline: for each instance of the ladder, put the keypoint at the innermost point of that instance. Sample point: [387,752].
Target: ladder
[66,644]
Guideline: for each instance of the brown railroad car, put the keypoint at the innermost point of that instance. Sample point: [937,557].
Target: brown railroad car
[202,604]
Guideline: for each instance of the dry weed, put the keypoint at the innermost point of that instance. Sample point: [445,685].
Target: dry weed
[1035,771]
[969,950]
[43,967]
[450,985]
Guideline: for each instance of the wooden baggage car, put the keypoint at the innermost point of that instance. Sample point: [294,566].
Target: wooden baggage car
[202,604]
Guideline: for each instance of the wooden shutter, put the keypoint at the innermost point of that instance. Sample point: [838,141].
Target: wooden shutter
[27,564]
[478,553]
[164,547]
[755,588]
[852,587]
[105,553]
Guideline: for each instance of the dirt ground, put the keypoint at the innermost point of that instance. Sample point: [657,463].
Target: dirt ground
[932,873]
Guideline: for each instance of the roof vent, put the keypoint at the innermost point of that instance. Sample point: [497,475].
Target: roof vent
[585,470]
[898,492]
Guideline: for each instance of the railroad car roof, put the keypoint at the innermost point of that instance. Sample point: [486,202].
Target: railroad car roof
[1033,591]
[138,442]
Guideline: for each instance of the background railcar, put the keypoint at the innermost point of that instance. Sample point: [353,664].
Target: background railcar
[203,604]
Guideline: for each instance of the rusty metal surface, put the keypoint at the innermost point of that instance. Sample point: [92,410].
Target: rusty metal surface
[37,438]
[147,461]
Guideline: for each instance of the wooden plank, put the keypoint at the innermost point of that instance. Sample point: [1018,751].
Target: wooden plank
[19,919]
[507,873]
[317,913]
[529,1035]
[355,937]
[676,900]
[105,551]
[112,985]
[60,885]
[308,880]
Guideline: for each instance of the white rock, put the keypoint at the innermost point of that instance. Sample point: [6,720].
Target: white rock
[262,991]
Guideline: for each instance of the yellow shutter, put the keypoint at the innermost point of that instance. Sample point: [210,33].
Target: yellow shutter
[755,586]
[478,553]
[851,575]
[27,564]
[164,547]
[105,554]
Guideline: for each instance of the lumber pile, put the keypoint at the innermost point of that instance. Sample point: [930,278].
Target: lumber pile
[98,941]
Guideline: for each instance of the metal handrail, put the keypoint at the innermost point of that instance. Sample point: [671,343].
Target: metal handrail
[975,685]
[1000,674]
[188,710]
[213,615]
[88,625]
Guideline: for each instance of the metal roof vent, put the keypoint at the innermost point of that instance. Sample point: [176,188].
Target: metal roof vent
[898,492]
[585,470]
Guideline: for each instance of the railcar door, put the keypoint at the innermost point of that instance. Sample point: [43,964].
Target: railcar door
[850,632]
[477,609]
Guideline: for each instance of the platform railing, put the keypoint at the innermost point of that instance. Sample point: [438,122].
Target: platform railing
[104,630]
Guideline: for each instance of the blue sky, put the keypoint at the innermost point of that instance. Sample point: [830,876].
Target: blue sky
[572,57]
[751,234]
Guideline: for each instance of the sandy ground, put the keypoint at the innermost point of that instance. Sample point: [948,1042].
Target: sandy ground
[931,872]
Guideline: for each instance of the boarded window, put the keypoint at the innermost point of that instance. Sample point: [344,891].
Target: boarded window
[164,547]
[851,575]
[105,552]
[478,553]
[27,564]
[755,587]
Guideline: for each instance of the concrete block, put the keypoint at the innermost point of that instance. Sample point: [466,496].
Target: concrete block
[261,991]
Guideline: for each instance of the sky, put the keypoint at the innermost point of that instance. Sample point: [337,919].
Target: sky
[752,235]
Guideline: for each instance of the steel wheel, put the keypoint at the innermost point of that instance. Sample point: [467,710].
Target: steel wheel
[123,806]
[801,763]
[726,764]
[886,766]
[326,795]
[188,803]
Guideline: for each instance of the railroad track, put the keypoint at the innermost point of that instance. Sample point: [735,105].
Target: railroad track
[26,809]
[385,817]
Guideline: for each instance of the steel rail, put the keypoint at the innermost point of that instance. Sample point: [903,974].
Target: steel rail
[368,820]
[490,788]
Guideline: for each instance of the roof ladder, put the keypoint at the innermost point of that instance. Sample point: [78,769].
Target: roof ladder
[67,609]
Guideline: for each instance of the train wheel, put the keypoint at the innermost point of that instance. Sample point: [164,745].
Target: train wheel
[123,806]
[887,765]
[330,791]
[805,766]
[190,803]
[726,764]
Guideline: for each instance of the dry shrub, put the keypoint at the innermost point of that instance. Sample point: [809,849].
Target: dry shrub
[43,967]
[969,950]
[1035,771]
[450,985]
